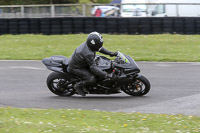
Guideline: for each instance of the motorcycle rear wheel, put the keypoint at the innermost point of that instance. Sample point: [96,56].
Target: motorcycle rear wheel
[55,82]
[139,87]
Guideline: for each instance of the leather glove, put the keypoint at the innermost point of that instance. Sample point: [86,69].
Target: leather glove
[113,54]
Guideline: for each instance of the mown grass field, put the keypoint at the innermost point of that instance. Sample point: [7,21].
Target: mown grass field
[184,48]
[140,47]
[14,120]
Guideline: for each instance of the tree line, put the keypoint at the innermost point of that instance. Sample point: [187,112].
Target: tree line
[25,2]
[28,2]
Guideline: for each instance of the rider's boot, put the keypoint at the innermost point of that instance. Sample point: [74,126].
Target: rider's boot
[79,88]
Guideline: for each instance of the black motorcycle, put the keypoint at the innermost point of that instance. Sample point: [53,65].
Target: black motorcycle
[124,71]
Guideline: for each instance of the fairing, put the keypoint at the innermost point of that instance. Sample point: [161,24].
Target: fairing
[126,62]
[60,63]
[102,62]
[56,63]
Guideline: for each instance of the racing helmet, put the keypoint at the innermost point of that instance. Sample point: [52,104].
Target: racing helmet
[94,41]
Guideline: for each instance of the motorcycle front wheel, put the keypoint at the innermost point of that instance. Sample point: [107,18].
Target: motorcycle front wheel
[139,87]
[56,83]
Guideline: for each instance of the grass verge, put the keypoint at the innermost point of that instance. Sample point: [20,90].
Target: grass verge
[165,47]
[15,120]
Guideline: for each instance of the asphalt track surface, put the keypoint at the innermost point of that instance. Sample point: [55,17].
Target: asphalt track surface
[175,90]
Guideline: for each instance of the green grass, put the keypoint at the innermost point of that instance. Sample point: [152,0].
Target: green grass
[85,1]
[13,120]
[140,47]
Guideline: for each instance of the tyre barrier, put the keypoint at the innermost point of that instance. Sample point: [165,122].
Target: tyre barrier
[74,25]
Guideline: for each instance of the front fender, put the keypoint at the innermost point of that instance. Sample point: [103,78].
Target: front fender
[138,75]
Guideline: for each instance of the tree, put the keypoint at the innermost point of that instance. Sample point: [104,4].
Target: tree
[101,1]
[64,1]
[26,2]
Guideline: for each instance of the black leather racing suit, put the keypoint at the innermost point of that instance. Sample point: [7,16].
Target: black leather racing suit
[82,64]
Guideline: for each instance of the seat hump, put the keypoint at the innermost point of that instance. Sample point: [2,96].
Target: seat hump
[60,59]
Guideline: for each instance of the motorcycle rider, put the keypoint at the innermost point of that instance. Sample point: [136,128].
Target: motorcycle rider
[82,62]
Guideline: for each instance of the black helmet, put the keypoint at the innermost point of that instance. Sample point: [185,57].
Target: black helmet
[94,41]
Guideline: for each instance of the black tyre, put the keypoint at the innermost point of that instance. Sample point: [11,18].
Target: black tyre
[89,22]
[100,26]
[78,31]
[89,30]
[123,31]
[55,31]
[78,22]
[67,26]
[78,26]
[100,22]
[112,30]
[67,22]
[89,26]
[56,84]
[55,26]
[139,87]
[67,31]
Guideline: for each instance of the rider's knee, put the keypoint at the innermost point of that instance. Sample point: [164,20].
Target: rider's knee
[90,81]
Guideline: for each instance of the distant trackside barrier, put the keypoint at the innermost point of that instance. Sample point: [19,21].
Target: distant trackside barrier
[73,25]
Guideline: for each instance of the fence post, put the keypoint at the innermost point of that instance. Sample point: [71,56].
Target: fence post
[147,9]
[22,11]
[83,10]
[177,10]
[52,10]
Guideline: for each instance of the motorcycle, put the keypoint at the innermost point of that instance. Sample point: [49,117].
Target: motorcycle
[125,73]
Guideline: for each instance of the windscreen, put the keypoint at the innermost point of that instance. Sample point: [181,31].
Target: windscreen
[123,57]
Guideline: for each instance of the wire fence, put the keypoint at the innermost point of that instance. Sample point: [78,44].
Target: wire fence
[37,11]
[108,10]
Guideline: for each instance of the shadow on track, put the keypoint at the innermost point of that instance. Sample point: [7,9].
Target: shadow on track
[98,97]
